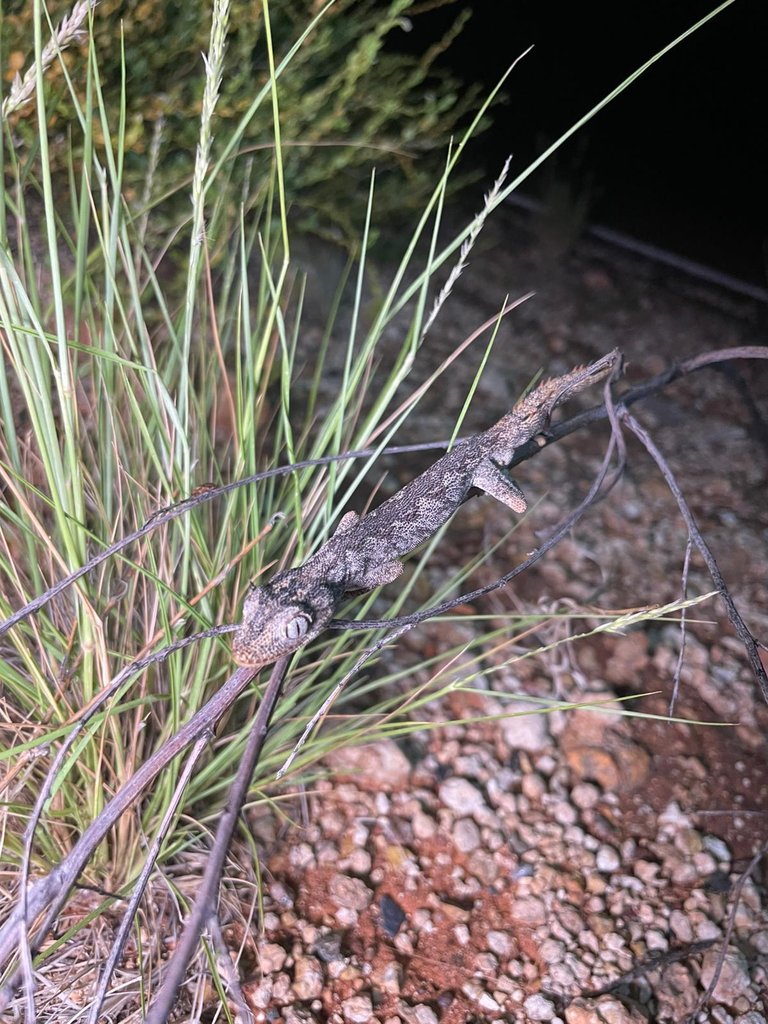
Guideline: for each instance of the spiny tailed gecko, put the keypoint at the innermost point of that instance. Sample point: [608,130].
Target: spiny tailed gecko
[297,604]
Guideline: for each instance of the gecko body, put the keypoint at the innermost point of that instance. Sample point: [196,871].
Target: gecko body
[363,553]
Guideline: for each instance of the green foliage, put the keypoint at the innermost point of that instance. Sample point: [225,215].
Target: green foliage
[347,102]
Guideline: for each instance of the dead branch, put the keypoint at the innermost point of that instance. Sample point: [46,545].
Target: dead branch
[205,906]
[743,633]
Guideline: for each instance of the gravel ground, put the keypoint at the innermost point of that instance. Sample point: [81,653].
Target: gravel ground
[576,866]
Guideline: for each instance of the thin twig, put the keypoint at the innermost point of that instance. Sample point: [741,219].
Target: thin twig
[683,625]
[150,857]
[651,963]
[160,1009]
[760,853]
[229,970]
[556,433]
[746,637]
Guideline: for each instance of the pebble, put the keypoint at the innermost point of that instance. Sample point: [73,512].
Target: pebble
[681,926]
[424,827]
[424,1014]
[461,796]
[350,893]
[272,957]
[388,977]
[307,978]
[466,835]
[539,1008]
[585,795]
[381,764]
[474,990]
[528,910]
[358,862]
[717,848]
[734,975]
[499,943]
[551,951]
[605,1009]
[529,732]
[607,859]
[357,1009]
[484,867]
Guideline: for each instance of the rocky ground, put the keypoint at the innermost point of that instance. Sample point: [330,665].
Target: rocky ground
[576,866]
[502,864]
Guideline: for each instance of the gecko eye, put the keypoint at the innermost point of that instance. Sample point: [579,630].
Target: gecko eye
[297,627]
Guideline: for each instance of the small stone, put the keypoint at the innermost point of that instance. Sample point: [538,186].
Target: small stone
[607,859]
[717,848]
[593,764]
[734,975]
[350,893]
[485,965]
[260,994]
[561,978]
[529,732]
[271,957]
[551,951]
[358,862]
[528,910]
[466,835]
[388,977]
[461,796]
[483,867]
[533,787]
[357,1009]
[381,764]
[474,990]
[499,943]
[328,947]
[564,813]
[424,827]
[681,926]
[646,871]
[424,1014]
[656,941]
[281,991]
[539,1008]
[307,978]
[585,795]
[706,930]
[392,915]
[605,1009]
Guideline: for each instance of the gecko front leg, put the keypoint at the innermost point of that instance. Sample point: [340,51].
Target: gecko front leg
[496,481]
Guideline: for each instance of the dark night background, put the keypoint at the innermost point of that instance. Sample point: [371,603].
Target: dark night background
[680,159]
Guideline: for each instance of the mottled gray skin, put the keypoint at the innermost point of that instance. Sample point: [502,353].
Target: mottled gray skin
[296,605]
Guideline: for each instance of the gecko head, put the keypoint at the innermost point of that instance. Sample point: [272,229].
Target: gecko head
[281,616]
